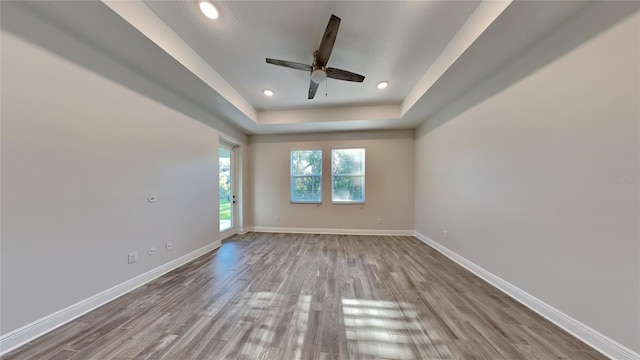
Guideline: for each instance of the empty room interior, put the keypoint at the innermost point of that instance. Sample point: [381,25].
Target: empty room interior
[206,179]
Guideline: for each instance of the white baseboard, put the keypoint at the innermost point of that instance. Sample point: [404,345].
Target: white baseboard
[290,230]
[228,233]
[593,338]
[242,231]
[42,326]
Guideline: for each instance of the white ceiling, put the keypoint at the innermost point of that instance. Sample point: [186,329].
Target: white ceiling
[394,41]
[431,52]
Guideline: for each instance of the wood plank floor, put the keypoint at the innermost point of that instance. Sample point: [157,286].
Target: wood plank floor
[301,296]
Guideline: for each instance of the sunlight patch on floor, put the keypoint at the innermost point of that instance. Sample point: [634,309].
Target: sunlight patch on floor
[375,328]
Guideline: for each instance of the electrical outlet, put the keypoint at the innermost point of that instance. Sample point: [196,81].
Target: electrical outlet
[379,220]
[445,234]
[133,257]
[277,218]
[152,250]
[169,245]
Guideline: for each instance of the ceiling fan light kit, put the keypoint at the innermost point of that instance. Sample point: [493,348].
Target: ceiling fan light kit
[319,71]
[318,76]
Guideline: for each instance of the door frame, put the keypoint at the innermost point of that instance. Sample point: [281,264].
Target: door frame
[236,188]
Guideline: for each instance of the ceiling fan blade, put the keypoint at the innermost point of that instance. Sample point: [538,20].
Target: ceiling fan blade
[329,38]
[313,87]
[344,75]
[290,64]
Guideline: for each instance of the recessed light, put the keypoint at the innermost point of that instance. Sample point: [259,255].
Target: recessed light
[267,92]
[383,84]
[208,9]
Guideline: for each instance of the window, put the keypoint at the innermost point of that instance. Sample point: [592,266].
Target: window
[306,176]
[347,175]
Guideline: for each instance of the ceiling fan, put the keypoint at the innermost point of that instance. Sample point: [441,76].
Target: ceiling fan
[319,70]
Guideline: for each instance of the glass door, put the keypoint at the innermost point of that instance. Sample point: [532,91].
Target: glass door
[226,188]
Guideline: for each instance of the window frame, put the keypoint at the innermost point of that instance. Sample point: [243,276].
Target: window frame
[292,177]
[363,176]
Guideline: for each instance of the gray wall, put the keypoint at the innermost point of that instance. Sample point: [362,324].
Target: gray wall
[389,182]
[538,184]
[80,156]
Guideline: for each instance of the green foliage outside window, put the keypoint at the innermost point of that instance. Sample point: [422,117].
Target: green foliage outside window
[347,168]
[225,183]
[306,176]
